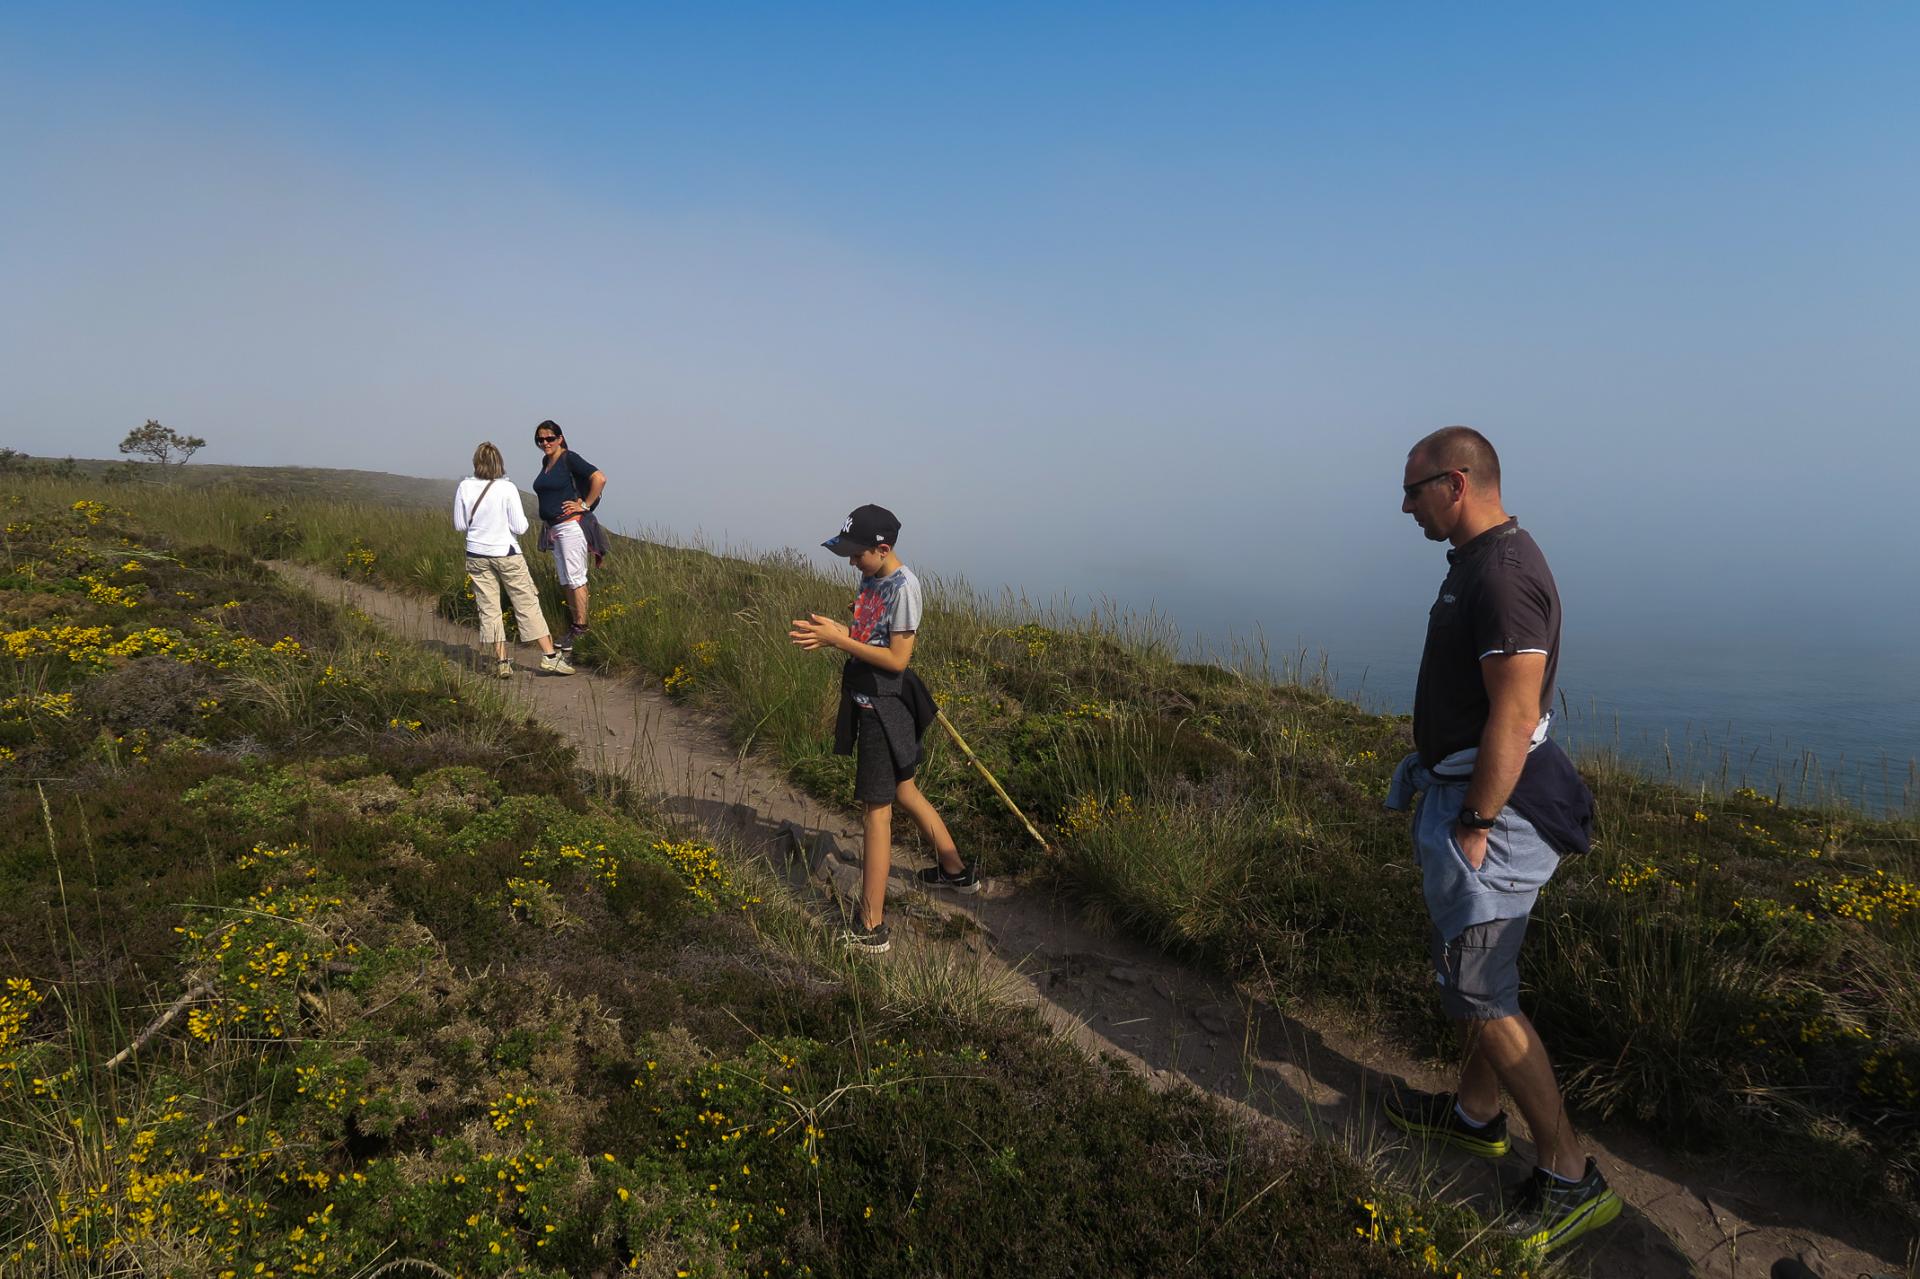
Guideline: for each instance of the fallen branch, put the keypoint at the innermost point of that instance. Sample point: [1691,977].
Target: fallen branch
[160,1023]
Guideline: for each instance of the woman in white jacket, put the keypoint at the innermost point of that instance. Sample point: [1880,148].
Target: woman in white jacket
[486,507]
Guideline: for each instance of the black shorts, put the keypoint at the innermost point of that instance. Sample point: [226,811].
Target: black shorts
[875,775]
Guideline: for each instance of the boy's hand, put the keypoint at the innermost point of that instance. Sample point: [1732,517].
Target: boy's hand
[817,632]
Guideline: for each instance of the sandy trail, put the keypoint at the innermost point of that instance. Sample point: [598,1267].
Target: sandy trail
[1175,1025]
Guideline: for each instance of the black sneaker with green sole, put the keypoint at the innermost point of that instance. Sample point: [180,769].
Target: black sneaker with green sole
[1547,1212]
[1436,1117]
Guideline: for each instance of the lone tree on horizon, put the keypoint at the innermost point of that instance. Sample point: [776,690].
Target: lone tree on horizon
[160,443]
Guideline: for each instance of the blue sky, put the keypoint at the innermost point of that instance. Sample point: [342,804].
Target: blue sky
[1142,303]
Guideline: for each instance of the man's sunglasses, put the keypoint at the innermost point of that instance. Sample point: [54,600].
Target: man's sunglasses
[1417,485]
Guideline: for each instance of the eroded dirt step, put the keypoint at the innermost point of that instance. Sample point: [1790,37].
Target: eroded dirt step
[1176,1025]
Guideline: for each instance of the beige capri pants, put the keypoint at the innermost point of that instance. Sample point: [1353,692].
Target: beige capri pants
[492,573]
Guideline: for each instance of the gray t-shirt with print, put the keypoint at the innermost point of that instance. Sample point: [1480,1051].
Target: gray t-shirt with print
[887,606]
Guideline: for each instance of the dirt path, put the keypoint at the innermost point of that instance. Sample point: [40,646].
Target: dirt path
[1172,1023]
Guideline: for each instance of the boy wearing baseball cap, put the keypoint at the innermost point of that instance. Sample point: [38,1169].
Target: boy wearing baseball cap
[884,711]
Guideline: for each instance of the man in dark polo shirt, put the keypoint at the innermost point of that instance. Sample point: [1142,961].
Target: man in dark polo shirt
[1500,804]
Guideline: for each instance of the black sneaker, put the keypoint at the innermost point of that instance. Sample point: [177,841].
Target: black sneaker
[871,941]
[564,641]
[967,880]
[1436,1117]
[1547,1212]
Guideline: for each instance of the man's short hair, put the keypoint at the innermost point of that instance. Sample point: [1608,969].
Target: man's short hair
[1461,448]
[487,462]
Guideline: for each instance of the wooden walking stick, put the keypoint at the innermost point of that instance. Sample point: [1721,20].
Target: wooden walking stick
[992,781]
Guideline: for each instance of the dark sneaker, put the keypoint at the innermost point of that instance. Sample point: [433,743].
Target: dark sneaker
[1547,1212]
[966,881]
[1435,1117]
[870,941]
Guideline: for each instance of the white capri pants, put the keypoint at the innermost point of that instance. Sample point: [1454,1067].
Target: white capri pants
[570,554]
[493,573]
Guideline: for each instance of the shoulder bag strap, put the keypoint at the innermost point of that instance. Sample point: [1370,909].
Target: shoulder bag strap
[475,508]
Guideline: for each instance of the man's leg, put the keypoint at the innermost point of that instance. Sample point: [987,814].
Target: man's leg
[1508,1051]
[1479,1088]
[908,796]
[876,862]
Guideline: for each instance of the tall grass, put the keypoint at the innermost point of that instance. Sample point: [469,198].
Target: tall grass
[1724,967]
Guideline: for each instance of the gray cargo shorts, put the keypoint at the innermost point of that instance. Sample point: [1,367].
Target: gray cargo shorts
[1479,971]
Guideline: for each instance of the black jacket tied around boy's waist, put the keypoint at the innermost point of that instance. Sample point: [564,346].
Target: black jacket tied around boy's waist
[902,700]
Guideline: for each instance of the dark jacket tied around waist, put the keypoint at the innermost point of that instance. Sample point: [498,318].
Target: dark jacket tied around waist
[1554,797]
[902,701]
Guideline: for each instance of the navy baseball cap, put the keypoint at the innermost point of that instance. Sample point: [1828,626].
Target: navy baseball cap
[866,527]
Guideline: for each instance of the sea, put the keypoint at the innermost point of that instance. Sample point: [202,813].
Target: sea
[1803,720]
[1799,711]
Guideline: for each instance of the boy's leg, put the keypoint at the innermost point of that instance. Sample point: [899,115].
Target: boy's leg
[876,862]
[875,780]
[908,796]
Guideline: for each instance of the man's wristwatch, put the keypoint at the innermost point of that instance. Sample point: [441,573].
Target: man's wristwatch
[1472,820]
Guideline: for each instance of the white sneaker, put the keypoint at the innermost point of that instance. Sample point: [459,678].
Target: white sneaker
[503,668]
[556,663]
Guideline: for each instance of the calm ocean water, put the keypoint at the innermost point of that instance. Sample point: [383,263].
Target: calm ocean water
[1803,720]
[1683,689]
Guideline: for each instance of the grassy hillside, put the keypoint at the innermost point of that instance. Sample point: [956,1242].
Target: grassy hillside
[243,483]
[1723,969]
[319,960]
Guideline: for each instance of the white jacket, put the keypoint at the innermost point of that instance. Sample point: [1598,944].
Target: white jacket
[494,528]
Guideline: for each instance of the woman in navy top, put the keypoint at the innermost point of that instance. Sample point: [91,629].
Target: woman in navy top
[568,487]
